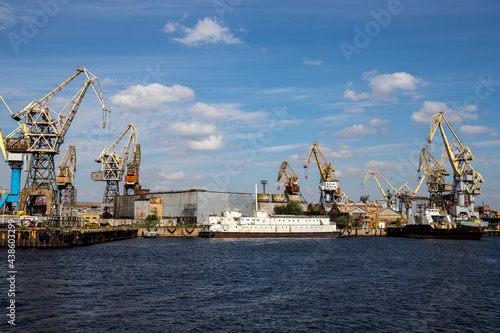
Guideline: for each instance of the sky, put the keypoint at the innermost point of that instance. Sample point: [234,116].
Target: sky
[223,91]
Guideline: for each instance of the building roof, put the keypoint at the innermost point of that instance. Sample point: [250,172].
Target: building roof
[346,207]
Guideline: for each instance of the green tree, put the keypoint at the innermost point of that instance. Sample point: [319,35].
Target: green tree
[291,208]
[341,223]
[150,219]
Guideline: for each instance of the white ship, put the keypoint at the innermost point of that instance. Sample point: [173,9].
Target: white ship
[232,224]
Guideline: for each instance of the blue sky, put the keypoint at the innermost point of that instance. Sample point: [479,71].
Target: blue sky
[221,92]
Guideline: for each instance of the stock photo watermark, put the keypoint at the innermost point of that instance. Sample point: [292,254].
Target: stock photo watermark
[373,28]
[11,273]
[248,149]
[31,24]
[223,6]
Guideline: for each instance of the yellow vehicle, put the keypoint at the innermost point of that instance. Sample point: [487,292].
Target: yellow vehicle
[92,224]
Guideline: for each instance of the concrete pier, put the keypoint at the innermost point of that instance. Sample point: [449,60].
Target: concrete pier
[49,238]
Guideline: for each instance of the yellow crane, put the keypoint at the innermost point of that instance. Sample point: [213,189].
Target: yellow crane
[46,130]
[289,179]
[113,164]
[389,195]
[466,180]
[329,183]
[133,168]
[64,180]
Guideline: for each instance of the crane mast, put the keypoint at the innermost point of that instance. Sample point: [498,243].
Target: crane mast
[133,168]
[466,179]
[113,164]
[46,130]
[329,183]
[64,180]
[289,179]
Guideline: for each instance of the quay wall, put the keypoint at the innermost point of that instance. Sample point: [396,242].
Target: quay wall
[49,238]
[171,231]
[362,232]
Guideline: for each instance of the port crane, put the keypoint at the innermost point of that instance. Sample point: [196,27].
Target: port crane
[113,164]
[466,181]
[389,195]
[15,161]
[133,168]
[289,179]
[64,180]
[329,183]
[46,130]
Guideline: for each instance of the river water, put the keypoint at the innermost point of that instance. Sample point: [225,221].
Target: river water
[372,284]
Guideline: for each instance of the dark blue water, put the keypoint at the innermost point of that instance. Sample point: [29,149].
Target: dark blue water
[370,284]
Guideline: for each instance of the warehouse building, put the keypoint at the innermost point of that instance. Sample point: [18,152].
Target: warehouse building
[191,206]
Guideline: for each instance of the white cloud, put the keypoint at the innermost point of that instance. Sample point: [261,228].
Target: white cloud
[430,108]
[213,142]
[7,16]
[351,95]
[191,129]
[354,110]
[107,81]
[474,130]
[358,130]
[383,85]
[206,31]
[171,175]
[170,27]
[313,62]
[206,111]
[141,97]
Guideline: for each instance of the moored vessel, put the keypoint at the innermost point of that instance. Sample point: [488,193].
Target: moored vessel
[233,224]
[434,224]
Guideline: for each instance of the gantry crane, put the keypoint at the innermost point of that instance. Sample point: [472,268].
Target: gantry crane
[64,180]
[45,134]
[329,183]
[389,195]
[15,161]
[289,179]
[113,164]
[466,180]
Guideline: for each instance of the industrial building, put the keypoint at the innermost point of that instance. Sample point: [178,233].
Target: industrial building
[190,206]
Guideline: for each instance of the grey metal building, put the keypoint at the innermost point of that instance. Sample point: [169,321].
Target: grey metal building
[191,206]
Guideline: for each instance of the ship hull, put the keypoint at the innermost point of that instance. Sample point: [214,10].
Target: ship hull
[224,234]
[426,231]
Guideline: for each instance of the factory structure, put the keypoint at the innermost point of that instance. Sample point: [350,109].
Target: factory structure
[186,207]
[49,189]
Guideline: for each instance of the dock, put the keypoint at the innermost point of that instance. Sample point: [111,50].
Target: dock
[54,238]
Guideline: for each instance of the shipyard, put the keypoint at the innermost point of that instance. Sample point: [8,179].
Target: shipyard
[45,210]
[249,166]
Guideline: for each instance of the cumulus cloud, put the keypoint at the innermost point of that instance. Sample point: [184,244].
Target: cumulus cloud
[358,130]
[206,31]
[148,97]
[7,16]
[191,129]
[474,130]
[383,85]
[206,111]
[213,142]
[353,96]
[430,108]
